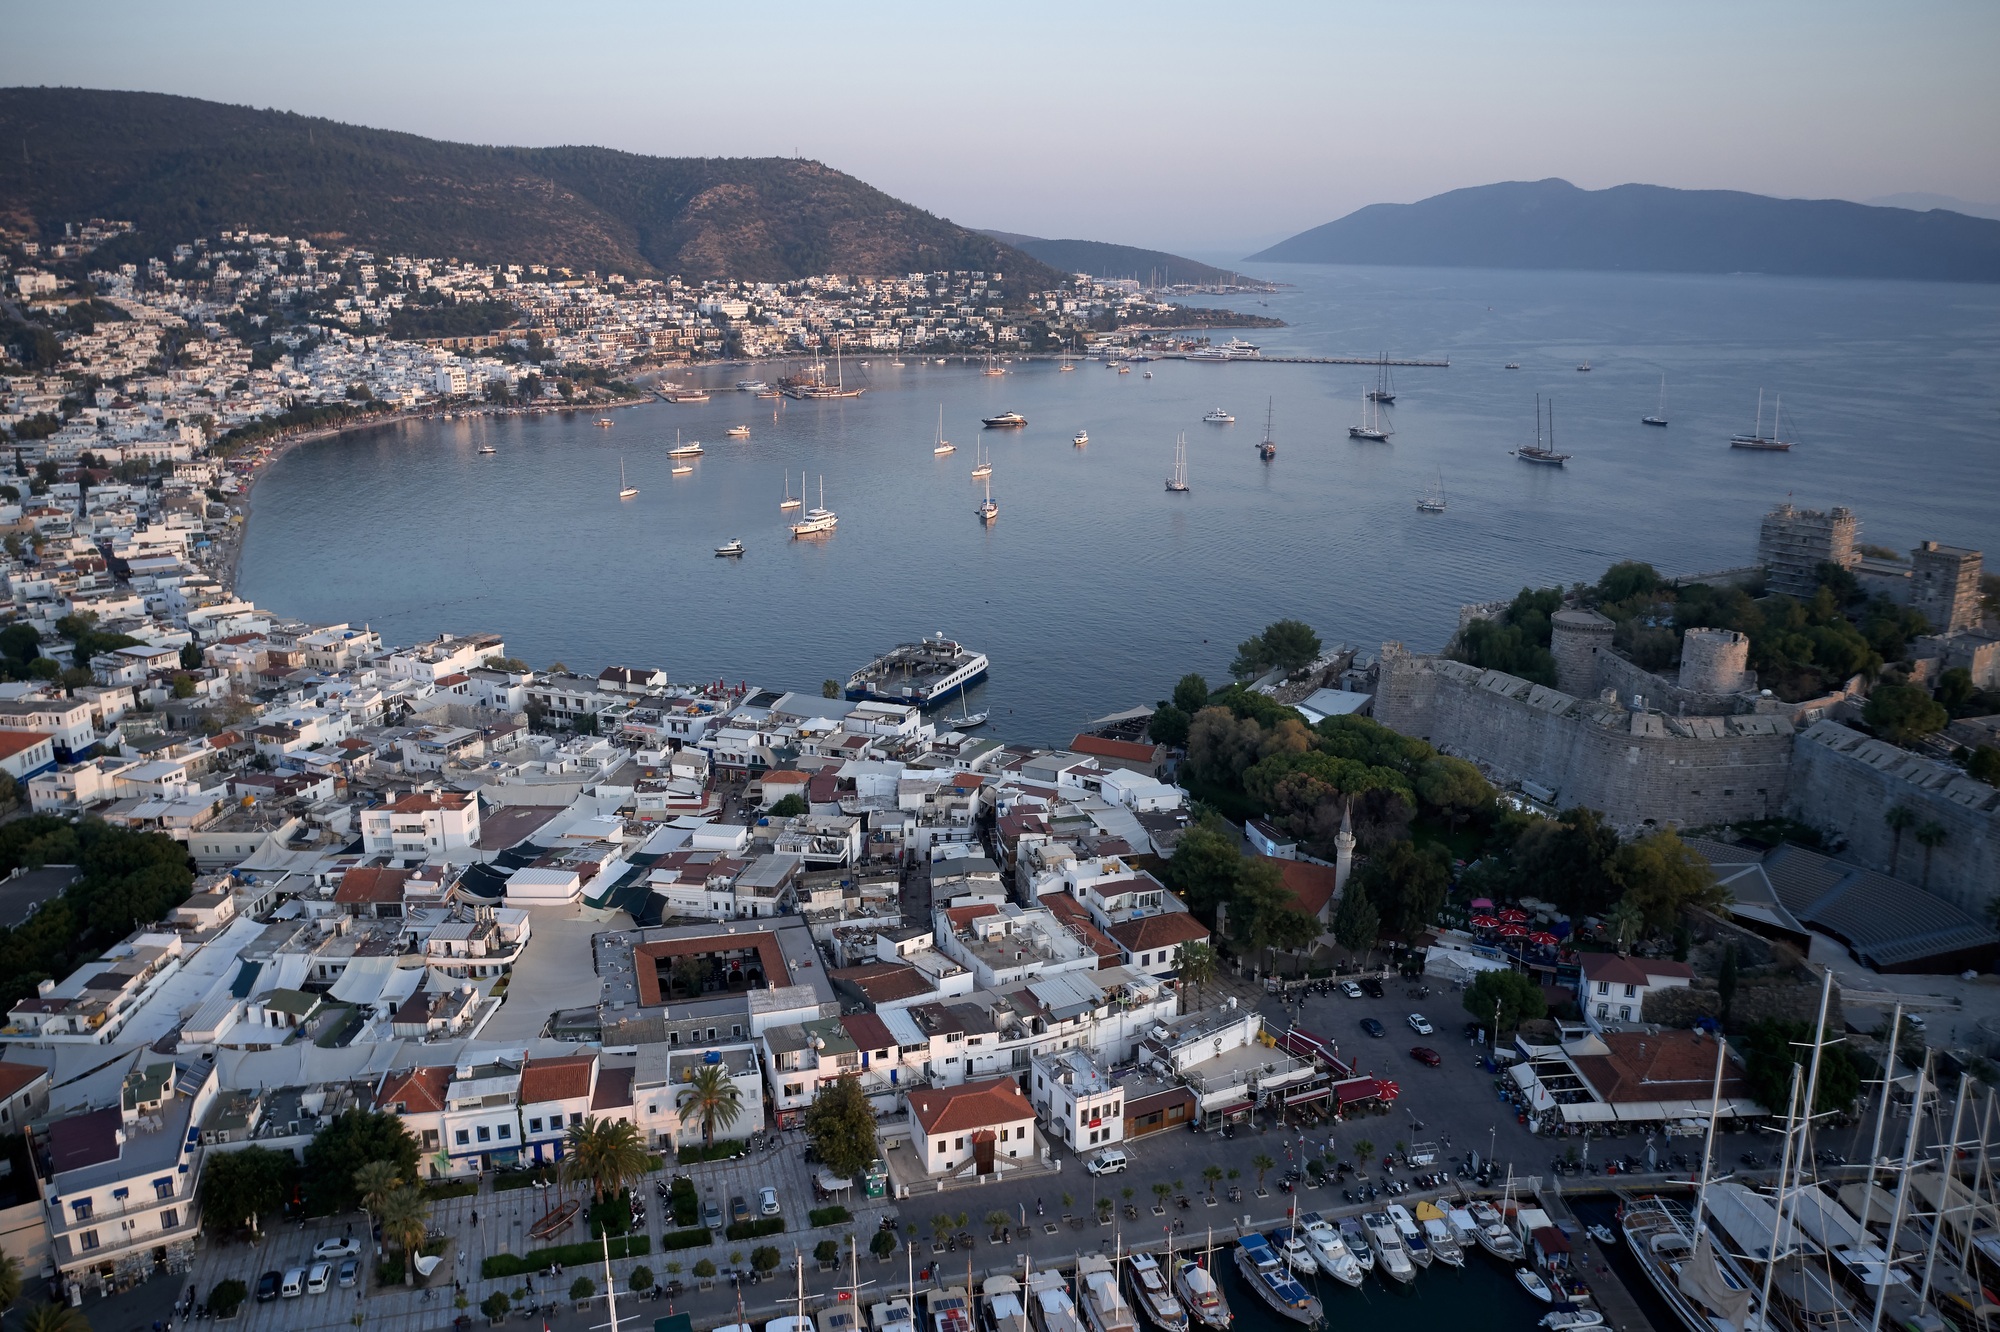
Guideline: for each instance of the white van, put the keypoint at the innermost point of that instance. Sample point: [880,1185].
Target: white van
[1107,1162]
[294,1284]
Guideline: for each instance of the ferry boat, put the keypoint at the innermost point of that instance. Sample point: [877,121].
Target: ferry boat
[1001,1305]
[1391,1257]
[817,521]
[1438,1236]
[1757,439]
[1219,417]
[1201,1295]
[1494,1236]
[1004,421]
[1703,1287]
[1410,1233]
[925,672]
[1104,1306]
[1237,348]
[1330,1251]
[751,386]
[1264,1272]
[738,432]
[1049,1304]
[1372,426]
[1153,1295]
[1355,1236]
[1080,438]
[731,548]
[488,448]
[1546,457]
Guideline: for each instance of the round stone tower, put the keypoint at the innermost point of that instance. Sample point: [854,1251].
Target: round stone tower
[1715,661]
[1575,638]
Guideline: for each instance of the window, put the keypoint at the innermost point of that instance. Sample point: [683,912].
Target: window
[461,1137]
[87,1240]
[82,1209]
[506,1132]
[1145,959]
[795,1089]
[1604,987]
[163,1188]
[711,1033]
[941,1145]
[1625,1012]
[736,1030]
[576,1116]
[959,1146]
[169,1219]
[485,1133]
[1631,990]
[534,1126]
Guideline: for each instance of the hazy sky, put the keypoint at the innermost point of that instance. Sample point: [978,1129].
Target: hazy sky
[1214,127]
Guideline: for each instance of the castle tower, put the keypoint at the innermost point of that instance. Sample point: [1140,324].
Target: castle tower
[1576,637]
[1343,849]
[1792,543]
[1944,585]
[1715,661]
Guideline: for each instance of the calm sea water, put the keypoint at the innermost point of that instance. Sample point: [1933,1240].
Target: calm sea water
[1096,588]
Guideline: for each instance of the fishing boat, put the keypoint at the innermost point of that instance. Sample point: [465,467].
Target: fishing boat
[1532,1282]
[1433,501]
[1392,1258]
[626,490]
[1384,392]
[1757,439]
[1004,421]
[1080,438]
[1372,426]
[1049,1305]
[1659,417]
[1297,1253]
[1410,1233]
[1547,457]
[1219,417]
[1104,1306]
[691,449]
[1153,1295]
[1001,1309]
[738,432]
[943,445]
[816,521]
[487,448]
[1177,483]
[791,501]
[750,386]
[1265,1273]
[1201,1295]
[1494,1236]
[1330,1251]
[1355,1236]
[1567,1316]
[988,510]
[731,547]
[1438,1236]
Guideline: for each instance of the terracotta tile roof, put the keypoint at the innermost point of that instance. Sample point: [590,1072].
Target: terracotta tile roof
[1130,751]
[883,982]
[13,742]
[448,681]
[1161,931]
[418,802]
[614,1090]
[1632,970]
[1663,1066]
[868,1032]
[371,886]
[1072,914]
[1311,885]
[560,1079]
[15,1077]
[646,958]
[965,915]
[971,1105]
[420,1090]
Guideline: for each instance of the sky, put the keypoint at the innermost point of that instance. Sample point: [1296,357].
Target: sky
[1211,128]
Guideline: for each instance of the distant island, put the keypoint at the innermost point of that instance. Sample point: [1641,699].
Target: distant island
[1649,228]
[1105,261]
[180,167]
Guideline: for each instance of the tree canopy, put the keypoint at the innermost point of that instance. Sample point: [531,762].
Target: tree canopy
[1770,1050]
[841,1124]
[1407,885]
[1519,998]
[340,1149]
[239,1186]
[1288,645]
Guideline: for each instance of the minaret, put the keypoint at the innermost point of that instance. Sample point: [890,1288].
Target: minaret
[1343,849]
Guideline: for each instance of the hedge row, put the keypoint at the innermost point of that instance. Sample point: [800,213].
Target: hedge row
[519,1264]
[728,1149]
[686,1239]
[748,1230]
[829,1216]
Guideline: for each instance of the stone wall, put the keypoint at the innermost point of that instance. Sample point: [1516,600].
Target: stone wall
[1637,768]
[1627,678]
[1843,782]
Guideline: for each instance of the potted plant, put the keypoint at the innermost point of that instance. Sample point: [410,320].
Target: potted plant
[580,1291]
[704,1272]
[495,1307]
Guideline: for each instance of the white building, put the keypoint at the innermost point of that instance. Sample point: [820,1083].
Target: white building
[1081,1106]
[422,823]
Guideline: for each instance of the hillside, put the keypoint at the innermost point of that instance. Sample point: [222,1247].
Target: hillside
[1101,259]
[1553,224]
[179,167]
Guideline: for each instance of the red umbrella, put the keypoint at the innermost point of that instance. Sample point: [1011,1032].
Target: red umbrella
[1543,939]
[1513,931]
[1514,916]
[1485,923]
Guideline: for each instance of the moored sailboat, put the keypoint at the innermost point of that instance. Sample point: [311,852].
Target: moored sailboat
[1200,1293]
[1265,1273]
[1153,1295]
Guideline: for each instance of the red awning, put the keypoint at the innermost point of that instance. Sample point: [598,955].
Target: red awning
[1241,1107]
[1304,1096]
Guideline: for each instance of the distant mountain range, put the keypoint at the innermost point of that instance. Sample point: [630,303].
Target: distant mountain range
[1102,259]
[179,167]
[1553,224]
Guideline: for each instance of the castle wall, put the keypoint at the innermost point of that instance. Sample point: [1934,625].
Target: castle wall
[1616,673]
[1843,782]
[1636,768]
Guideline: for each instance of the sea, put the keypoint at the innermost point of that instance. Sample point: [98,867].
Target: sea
[1096,588]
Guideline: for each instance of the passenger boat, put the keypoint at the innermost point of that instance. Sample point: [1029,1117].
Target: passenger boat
[1104,1306]
[1201,1295]
[1494,1237]
[818,521]
[1410,1233]
[1219,417]
[1004,421]
[1330,1251]
[732,547]
[924,672]
[1391,1257]
[1049,1304]
[1153,1295]
[1438,1236]
[1265,1273]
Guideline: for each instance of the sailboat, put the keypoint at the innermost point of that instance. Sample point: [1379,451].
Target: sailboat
[1658,418]
[988,510]
[992,369]
[799,1322]
[1178,481]
[1200,1292]
[943,445]
[1066,366]
[981,466]
[1384,391]
[790,501]
[818,520]
[1757,439]
[966,721]
[626,490]
[1433,501]
[1268,449]
[1371,427]
[1548,457]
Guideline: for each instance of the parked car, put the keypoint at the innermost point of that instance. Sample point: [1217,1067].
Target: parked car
[337,1248]
[1423,1054]
[739,1208]
[767,1201]
[1350,989]
[319,1278]
[711,1214]
[267,1286]
[1373,1028]
[1372,987]
[294,1284]
[1110,1161]
[1421,1024]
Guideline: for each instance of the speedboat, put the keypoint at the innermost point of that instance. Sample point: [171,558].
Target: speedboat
[1570,1317]
[1532,1282]
[738,432]
[1355,1237]
[1081,437]
[1603,1234]
[1219,417]
[1004,421]
[1330,1251]
[1297,1253]
[734,546]
[1153,1295]
[1201,1295]
[1265,1273]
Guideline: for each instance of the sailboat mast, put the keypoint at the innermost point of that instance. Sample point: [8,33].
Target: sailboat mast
[1902,1189]
[1708,1146]
[1947,1176]
[1778,1207]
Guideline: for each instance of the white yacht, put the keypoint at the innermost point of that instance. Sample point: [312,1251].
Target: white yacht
[1330,1251]
[1080,438]
[691,449]
[732,547]
[1219,417]
[1355,1236]
[751,386]
[1438,1236]
[738,432]
[488,448]
[1292,1247]
[1410,1233]
[816,521]
[1391,1257]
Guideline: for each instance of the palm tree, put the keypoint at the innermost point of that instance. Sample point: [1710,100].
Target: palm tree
[374,1182]
[1212,1174]
[606,1154]
[714,1098]
[54,1318]
[10,1281]
[1930,837]
[1626,921]
[1260,1163]
[405,1220]
[1197,968]
[1898,817]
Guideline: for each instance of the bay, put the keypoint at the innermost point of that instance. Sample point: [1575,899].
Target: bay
[1096,588]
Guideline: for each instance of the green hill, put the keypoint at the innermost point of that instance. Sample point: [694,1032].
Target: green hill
[1101,259]
[1553,224]
[179,167]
